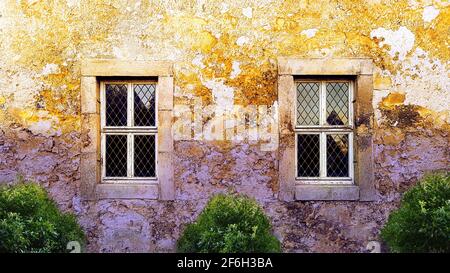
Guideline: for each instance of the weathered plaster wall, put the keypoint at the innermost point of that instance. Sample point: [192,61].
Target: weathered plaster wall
[225,57]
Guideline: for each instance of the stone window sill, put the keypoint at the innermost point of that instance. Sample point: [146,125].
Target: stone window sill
[127,191]
[326,192]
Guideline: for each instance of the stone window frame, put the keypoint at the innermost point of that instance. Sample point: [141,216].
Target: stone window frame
[93,71]
[360,70]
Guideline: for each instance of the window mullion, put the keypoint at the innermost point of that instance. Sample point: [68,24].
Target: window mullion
[130,155]
[130,152]
[351,146]
[322,138]
[130,107]
[322,102]
[323,154]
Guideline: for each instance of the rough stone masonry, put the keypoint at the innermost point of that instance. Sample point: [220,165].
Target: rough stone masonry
[225,56]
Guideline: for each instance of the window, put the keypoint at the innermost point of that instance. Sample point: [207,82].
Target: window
[126,130]
[129,131]
[324,131]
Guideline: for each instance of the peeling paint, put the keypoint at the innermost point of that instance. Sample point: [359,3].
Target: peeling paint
[198,61]
[236,70]
[43,127]
[242,40]
[223,96]
[309,33]
[50,69]
[429,13]
[400,41]
[247,12]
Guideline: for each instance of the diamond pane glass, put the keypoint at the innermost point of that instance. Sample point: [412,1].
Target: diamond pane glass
[144,156]
[337,103]
[308,103]
[337,155]
[116,104]
[116,156]
[144,104]
[308,155]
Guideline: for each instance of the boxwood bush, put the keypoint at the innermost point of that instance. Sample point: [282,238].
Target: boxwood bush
[229,224]
[31,222]
[422,223]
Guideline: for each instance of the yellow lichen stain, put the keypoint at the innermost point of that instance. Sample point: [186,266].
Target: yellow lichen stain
[204,42]
[51,32]
[285,24]
[231,20]
[218,62]
[381,82]
[254,87]
[438,119]
[2,100]
[393,137]
[192,81]
[69,124]
[394,109]
[27,117]
[192,32]
[434,36]
[393,99]
[22,116]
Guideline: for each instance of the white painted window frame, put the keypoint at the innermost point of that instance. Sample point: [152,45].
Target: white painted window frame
[130,131]
[323,130]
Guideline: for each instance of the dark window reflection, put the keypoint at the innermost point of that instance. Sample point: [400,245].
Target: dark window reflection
[144,155]
[144,105]
[337,155]
[116,156]
[337,103]
[116,105]
[308,155]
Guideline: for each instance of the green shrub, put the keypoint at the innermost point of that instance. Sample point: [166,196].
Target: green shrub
[422,223]
[229,224]
[31,222]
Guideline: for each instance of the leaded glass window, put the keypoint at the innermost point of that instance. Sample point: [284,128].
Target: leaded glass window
[324,131]
[128,131]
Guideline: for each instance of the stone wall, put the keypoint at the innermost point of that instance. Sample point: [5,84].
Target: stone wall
[225,56]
